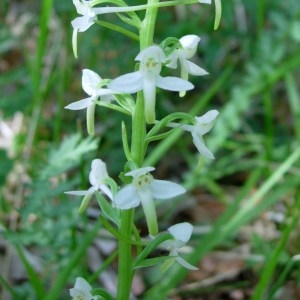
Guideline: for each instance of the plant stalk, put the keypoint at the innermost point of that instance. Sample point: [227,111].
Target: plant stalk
[125,271]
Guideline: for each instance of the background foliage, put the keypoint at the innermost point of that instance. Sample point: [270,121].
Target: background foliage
[253,61]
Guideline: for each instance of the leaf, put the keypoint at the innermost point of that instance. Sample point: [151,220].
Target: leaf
[108,211]
[68,155]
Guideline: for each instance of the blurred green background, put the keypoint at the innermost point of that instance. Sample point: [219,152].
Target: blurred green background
[253,62]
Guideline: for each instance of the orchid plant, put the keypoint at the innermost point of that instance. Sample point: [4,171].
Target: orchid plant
[135,94]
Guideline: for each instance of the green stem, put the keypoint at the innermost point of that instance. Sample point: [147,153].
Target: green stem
[260,15]
[125,259]
[125,271]
[148,25]
[138,131]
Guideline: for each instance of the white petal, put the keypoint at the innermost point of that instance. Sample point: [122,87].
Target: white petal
[189,43]
[173,58]
[208,117]
[81,104]
[82,284]
[139,172]
[162,189]
[205,123]
[205,1]
[90,80]
[127,198]
[185,264]
[193,69]
[181,231]
[81,287]
[98,172]
[128,83]
[106,92]
[185,127]
[105,190]
[82,23]
[79,6]
[146,197]
[199,143]
[174,84]
[154,52]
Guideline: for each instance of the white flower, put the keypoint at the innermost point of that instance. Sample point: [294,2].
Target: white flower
[144,189]
[88,13]
[97,177]
[182,233]
[92,85]
[203,125]
[81,290]
[148,78]
[89,16]
[83,23]
[187,50]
